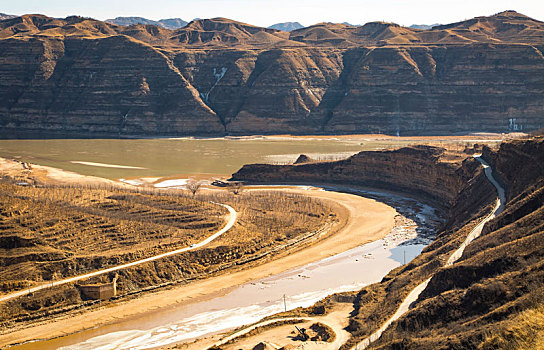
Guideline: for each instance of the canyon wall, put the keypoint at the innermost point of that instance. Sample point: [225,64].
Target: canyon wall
[480,301]
[490,298]
[113,86]
[419,171]
[79,76]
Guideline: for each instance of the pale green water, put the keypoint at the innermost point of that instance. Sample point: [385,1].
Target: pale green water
[166,157]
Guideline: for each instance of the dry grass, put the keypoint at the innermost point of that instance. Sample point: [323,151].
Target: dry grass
[49,233]
[275,216]
[524,332]
[53,232]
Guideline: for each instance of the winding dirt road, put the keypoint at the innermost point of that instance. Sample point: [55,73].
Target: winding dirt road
[230,222]
[413,295]
[476,231]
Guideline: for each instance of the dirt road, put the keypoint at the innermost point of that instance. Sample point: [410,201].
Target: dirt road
[367,220]
[230,222]
[476,231]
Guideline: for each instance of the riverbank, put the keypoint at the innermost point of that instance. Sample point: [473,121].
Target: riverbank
[49,175]
[365,220]
[252,301]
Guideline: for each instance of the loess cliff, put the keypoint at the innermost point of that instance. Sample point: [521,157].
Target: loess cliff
[492,297]
[422,171]
[79,76]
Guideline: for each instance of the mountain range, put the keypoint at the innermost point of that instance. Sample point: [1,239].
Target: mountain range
[171,23]
[80,76]
[176,23]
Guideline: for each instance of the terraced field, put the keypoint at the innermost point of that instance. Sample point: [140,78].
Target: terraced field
[49,233]
[53,232]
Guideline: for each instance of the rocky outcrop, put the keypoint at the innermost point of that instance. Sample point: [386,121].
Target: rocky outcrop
[80,76]
[303,159]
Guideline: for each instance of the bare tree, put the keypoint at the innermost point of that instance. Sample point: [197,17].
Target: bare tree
[193,186]
[236,187]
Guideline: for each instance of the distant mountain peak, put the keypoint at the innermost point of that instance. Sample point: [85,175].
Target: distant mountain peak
[4,16]
[173,23]
[353,25]
[424,26]
[286,26]
[169,23]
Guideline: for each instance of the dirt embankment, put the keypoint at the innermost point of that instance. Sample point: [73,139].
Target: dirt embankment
[475,302]
[422,171]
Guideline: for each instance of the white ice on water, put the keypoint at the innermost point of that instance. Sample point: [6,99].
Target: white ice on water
[175,183]
[248,303]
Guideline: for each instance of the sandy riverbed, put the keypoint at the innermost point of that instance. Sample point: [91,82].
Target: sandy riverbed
[367,220]
[49,175]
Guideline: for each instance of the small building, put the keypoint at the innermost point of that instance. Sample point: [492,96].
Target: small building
[99,291]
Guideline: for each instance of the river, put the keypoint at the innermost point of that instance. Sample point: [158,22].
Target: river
[122,158]
[248,303]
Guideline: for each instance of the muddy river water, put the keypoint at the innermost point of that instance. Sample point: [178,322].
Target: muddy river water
[252,301]
[121,158]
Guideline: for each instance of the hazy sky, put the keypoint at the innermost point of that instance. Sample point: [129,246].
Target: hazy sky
[267,12]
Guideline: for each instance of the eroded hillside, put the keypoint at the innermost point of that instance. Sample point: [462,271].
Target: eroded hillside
[79,76]
[491,298]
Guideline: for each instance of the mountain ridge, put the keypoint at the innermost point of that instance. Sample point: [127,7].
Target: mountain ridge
[286,26]
[88,77]
[169,23]
[503,27]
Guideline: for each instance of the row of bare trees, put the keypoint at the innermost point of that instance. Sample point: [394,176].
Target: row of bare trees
[234,187]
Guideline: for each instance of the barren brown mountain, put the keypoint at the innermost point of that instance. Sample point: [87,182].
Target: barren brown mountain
[80,76]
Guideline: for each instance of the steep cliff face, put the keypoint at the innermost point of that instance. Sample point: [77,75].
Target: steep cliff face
[217,76]
[518,164]
[439,89]
[415,170]
[479,301]
[97,87]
